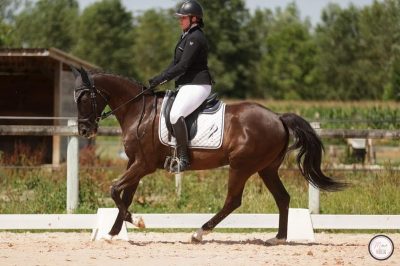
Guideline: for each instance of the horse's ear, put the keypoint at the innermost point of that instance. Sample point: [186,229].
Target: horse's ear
[85,77]
[75,71]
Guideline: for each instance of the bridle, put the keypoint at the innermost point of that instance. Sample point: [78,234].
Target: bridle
[89,87]
[93,91]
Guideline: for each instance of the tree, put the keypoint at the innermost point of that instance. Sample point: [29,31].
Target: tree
[156,33]
[231,47]
[5,34]
[380,35]
[47,23]
[338,65]
[288,55]
[105,36]
[363,64]
[7,10]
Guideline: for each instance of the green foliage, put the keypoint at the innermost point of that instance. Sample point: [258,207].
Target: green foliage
[232,50]
[392,91]
[286,65]
[353,54]
[43,191]
[105,36]
[47,24]
[370,193]
[363,41]
[156,34]
[7,10]
[352,115]
[5,34]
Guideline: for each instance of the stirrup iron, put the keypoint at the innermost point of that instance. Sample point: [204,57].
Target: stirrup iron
[171,161]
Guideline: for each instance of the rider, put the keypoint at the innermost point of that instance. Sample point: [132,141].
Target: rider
[190,71]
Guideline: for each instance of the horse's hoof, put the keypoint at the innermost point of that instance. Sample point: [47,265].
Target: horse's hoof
[275,241]
[108,237]
[139,222]
[113,233]
[195,240]
[197,237]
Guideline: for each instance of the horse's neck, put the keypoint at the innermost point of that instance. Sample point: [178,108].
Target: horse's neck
[120,92]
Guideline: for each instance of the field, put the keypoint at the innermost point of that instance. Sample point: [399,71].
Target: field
[43,190]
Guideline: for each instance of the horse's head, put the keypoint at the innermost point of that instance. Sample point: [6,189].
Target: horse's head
[90,101]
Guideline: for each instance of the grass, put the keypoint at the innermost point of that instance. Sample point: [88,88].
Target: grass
[44,191]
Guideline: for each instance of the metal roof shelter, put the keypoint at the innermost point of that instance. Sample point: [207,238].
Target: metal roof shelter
[37,83]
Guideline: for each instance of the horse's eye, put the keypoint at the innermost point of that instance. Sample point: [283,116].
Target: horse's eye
[84,99]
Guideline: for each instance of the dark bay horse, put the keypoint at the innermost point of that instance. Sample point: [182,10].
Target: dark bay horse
[255,141]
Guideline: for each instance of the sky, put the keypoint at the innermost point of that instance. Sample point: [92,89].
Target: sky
[308,8]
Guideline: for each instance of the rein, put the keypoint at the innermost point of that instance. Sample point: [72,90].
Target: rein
[107,114]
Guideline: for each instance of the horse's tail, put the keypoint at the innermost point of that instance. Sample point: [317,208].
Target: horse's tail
[310,153]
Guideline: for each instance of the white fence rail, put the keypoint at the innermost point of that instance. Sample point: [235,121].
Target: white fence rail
[153,221]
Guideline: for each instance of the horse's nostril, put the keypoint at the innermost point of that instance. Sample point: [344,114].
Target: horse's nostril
[83,131]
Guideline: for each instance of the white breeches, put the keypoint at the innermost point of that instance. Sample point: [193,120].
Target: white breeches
[187,100]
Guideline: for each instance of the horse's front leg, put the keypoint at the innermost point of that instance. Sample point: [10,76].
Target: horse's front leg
[127,185]
[127,197]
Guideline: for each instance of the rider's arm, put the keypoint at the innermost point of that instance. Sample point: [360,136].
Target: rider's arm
[192,46]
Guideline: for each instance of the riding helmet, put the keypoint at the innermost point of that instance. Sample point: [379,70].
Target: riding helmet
[190,8]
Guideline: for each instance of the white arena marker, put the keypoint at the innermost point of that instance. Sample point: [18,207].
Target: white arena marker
[300,227]
[105,220]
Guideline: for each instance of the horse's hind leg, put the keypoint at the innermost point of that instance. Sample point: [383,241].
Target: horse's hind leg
[237,180]
[274,184]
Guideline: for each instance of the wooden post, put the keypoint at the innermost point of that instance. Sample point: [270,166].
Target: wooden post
[72,171]
[178,184]
[370,151]
[313,199]
[56,152]
[313,192]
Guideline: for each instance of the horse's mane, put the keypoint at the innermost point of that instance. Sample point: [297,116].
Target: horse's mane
[103,72]
[160,93]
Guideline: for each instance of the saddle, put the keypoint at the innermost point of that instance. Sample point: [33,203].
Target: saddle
[209,106]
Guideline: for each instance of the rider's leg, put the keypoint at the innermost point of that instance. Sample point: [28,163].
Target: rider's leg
[187,100]
[181,136]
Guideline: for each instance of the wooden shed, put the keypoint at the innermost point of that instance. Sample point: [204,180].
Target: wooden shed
[38,84]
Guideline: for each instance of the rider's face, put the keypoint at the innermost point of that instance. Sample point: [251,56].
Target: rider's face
[184,22]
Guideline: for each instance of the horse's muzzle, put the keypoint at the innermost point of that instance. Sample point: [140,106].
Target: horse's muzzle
[86,132]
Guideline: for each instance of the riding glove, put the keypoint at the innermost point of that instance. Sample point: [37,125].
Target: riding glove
[157,80]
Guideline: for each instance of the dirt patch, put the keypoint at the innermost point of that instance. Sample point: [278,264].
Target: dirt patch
[175,249]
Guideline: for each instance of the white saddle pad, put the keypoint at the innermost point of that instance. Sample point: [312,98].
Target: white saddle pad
[210,130]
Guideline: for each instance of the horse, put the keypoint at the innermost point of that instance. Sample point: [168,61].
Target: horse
[255,140]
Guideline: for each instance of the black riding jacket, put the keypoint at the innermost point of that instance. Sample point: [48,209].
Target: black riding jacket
[190,60]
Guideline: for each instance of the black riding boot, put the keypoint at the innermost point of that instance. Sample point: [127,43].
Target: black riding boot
[181,136]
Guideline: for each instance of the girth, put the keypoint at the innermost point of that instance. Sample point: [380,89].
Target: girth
[209,106]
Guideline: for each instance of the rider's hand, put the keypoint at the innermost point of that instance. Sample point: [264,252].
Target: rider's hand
[154,82]
[157,80]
